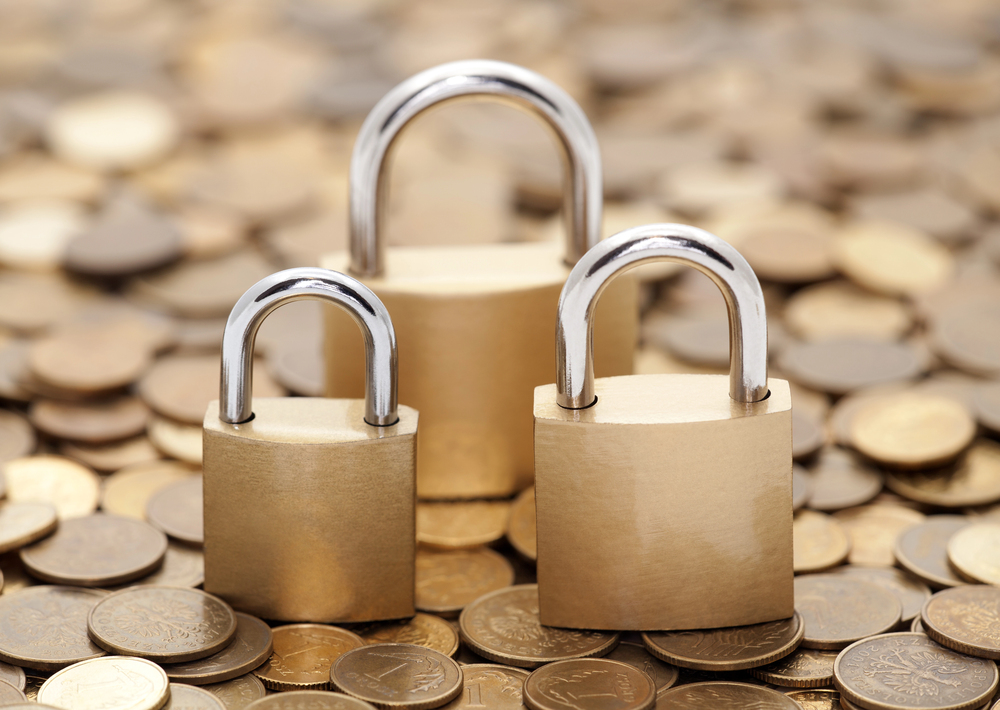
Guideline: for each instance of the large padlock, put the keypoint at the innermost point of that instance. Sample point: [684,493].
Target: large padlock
[474,320]
[310,502]
[663,501]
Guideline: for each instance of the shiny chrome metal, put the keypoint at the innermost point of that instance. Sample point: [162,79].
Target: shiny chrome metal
[695,247]
[508,83]
[381,364]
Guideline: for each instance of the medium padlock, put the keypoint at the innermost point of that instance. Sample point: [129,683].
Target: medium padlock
[473,320]
[310,502]
[663,502]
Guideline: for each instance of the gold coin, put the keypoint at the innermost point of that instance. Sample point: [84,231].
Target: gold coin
[127,492]
[503,627]
[183,566]
[17,438]
[88,362]
[45,628]
[619,685]
[969,338]
[663,674]
[187,697]
[727,649]
[873,530]
[165,624]
[250,647]
[239,693]
[808,434]
[35,176]
[840,479]
[303,655]
[838,309]
[805,668]
[723,695]
[975,552]
[973,480]
[35,302]
[92,422]
[486,685]
[910,591]
[521,532]
[838,610]
[398,675]
[422,630]
[923,549]
[309,700]
[965,619]
[111,457]
[14,675]
[897,672]
[844,365]
[461,524]
[448,580]
[816,699]
[24,523]
[34,234]
[109,682]
[96,550]
[176,440]
[819,542]
[176,509]
[912,431]
[71,487]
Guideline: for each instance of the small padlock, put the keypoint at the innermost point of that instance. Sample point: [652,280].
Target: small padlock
[310,502]
[663,501]
[474,319]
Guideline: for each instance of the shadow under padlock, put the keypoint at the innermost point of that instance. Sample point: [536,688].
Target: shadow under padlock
[474,322]
[663,502]
[309,502]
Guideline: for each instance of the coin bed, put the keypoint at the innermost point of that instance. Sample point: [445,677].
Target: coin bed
[156,159]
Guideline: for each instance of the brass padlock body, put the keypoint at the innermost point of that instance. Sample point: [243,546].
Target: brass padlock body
[474,326]
[664,506]
[309,511]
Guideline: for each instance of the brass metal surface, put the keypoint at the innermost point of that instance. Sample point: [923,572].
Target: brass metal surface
[839,610]
[102,683]
[311,469]
[805,668]
[303,655]
[724,696]
[965,619]
[250,647]
[398,675]
[620,686]
[475,327]
[685,524]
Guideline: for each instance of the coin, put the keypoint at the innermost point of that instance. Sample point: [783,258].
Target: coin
[422,630]
[34,233]
[96,550]
[724,696]
[923,549]
[310,700]
[582,680]
[23,523]
[973,480]
[45,628]
[250,647]
[873,530]
[461,524]
[111,457]
[910,591]
[72,488]
[663,674]
[187,697]
[816,699]
[965,619]
[303,655]
[895,671]
[91,361]
[94,422]
[17,438]
[176,440]
[490,686]
[838,610]
[238,693]
[108,683]
[839,309]
[819,542]
[127,492]
[14,675]
[844,365]
[32,685]
[447,580]
[182,566]
[912,431]
[727,649]
[13,575]
[801,486]
[969,338]
[975,552]
[166,624]
[503,626]
[398,675]
[521,531]
[840,479]
[805,668]
[176,509]
[808,434]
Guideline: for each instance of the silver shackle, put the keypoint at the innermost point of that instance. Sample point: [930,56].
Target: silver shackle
[276,290]
[695,247]
[508,83]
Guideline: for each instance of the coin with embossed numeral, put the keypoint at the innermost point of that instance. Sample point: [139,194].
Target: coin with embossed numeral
[816,699]
[581,681]
[303,655]
[420,630]
[109,682]
[503,626]
[490,686]
[169,624]
[250,647]
[310,700]
[805,668]
[398,675]
[905,671]
[724,696]
[663,674]
[238,693]
[45,627]
[965,619]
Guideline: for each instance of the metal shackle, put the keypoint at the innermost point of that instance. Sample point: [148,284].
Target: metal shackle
[695,247]
[508,83]
[276,290]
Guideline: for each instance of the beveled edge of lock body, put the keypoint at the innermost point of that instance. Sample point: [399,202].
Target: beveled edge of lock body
[467,79]
[272,292]
[632,247]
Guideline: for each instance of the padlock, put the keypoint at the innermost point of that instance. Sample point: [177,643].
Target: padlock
[473,320]
[663,502]
[310,502]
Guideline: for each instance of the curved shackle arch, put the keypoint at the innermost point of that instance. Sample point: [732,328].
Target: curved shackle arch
[694,247]
[512,84]
[271,292]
